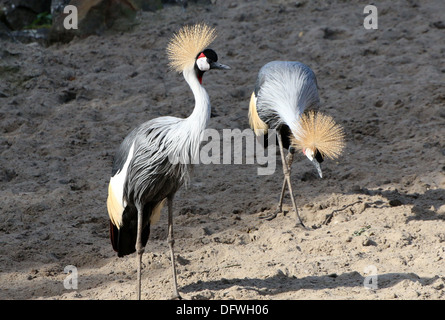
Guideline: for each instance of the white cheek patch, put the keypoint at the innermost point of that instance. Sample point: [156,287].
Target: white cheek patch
[309,153]
[202,64]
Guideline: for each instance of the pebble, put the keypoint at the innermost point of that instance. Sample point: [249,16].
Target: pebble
[441,209]
[395,203]
[439,25]
[367,242]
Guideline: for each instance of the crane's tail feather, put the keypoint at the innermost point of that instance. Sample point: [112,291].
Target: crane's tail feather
[114,206]
[123,239]
[319,131]
[258,125]
[114,233]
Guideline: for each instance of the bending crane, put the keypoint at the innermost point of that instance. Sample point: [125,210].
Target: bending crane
[284,93]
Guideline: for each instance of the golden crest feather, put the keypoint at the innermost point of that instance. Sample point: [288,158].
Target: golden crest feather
[319,131]
[187,44]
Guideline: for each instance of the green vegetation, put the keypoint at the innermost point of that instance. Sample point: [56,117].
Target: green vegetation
[43,20]
[361,231]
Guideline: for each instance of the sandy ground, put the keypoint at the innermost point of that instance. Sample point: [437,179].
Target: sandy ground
[378,212]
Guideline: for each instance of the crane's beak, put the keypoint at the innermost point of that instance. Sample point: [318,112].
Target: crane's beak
[220,66]
[315,159]
[318,167]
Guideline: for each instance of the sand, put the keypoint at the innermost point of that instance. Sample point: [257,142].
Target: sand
[376,221]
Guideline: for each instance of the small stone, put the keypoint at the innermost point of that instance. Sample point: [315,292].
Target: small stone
[441,209]
[439,25]
[438,286]
[182,261]
[280,273]
[356,188]
[368,242]
[395,203]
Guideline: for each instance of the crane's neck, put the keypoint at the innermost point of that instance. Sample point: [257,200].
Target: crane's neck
[197,121]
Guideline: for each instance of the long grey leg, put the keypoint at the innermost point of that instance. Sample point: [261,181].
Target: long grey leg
[171,242]
[140,251]
[289,160]
[286,172]
[280,204]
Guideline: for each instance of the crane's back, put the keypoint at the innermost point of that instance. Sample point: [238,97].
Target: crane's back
[284,89]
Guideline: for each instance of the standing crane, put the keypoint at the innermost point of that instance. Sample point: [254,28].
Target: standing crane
[284,99]
[154,160]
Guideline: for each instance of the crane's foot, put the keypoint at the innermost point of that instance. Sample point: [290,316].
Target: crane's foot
[270,216]
[299,222]
[274,214]
[176,296]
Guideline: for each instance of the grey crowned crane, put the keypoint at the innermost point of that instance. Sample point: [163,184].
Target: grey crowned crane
[285,99]
[154,160]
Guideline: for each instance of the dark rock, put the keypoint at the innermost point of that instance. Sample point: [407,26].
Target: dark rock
[6,175]
[5,32]
[36,6]
[19,18]
[356,189]
[31,35]
[150,5]
[333,34]
[95,17]
[438,25]
[67,96]
[368,242]
[378,104]
[19,14]
[395,203]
